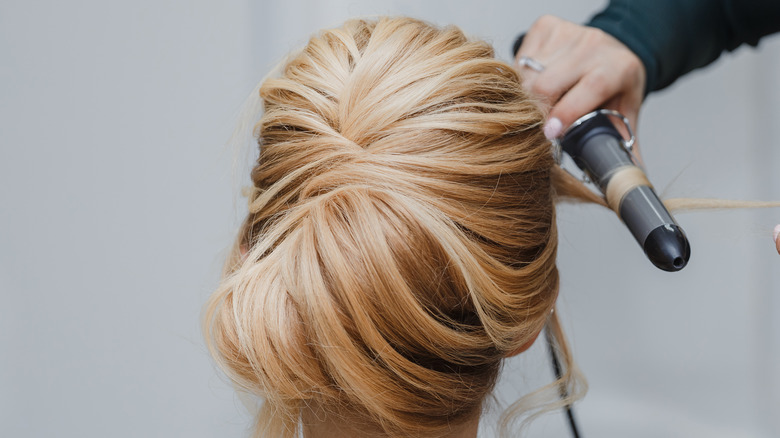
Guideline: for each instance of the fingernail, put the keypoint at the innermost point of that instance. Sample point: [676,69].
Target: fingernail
[776,232]
[552,128]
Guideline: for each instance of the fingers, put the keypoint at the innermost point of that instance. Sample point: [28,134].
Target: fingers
[585,69]
[549,42]
[539,32]
[557,79]
[777,238]
[588,94]
[593,91]
[609,80]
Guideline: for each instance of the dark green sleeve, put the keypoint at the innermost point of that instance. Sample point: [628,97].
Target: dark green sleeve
[673,37]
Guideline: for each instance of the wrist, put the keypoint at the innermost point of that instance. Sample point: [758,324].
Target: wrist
[632,40]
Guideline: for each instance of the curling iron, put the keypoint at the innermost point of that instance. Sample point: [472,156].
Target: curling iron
[600,151]
[607,159]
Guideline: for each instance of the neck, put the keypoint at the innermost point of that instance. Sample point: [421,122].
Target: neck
[318,425]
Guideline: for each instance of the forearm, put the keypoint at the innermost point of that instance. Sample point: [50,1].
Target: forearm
[673,37]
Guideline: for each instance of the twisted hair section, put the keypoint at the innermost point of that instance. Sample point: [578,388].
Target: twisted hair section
[401,236]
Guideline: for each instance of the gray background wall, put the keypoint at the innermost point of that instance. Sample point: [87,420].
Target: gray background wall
[117,201]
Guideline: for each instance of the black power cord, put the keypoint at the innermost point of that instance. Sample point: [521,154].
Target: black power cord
[562,388]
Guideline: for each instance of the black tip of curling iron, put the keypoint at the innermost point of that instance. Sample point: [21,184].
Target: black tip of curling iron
[668,248]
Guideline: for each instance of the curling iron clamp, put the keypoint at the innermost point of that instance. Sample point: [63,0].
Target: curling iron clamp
[607,159]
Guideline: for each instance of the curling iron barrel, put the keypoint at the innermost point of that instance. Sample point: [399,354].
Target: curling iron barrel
[599,150]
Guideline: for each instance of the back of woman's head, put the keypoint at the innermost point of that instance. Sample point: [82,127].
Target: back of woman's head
[400,239]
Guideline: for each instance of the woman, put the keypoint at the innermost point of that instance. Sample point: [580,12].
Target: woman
[400,241]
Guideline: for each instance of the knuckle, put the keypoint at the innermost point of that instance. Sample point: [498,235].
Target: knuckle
[545,21]
[527,83]
[633,70]
[598,84]
[593,37]
[634,65]
[542,87]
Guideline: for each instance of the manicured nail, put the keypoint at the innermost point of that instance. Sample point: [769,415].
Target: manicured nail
[553,128]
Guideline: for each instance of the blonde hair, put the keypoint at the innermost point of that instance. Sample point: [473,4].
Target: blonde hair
[401,237]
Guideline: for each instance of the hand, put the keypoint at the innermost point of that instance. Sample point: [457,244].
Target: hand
[777,238]
[584,69]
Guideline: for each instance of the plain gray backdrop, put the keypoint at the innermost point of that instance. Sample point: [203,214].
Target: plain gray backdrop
[118,201]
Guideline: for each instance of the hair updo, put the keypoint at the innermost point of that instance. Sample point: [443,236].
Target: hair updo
[401,237]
